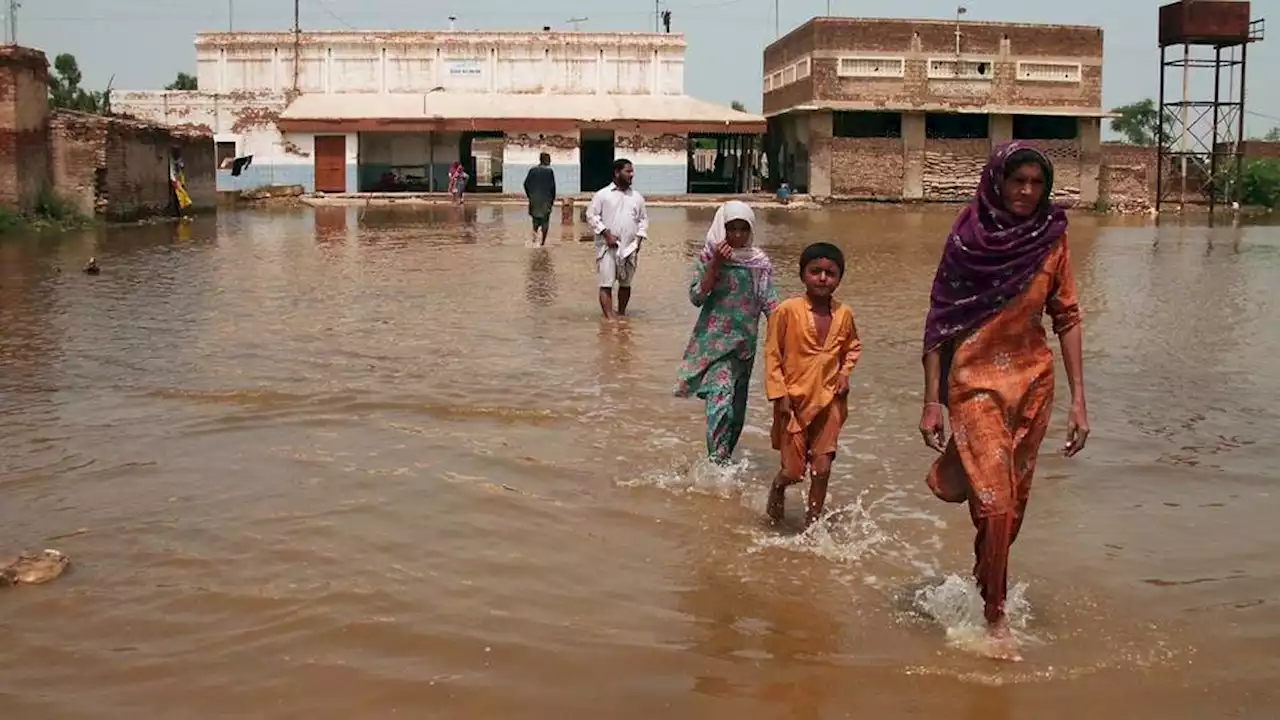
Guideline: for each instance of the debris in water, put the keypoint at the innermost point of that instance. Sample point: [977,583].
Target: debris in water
[34,569]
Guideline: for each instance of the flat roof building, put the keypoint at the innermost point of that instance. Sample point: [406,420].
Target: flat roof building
[389,111]
[910,109]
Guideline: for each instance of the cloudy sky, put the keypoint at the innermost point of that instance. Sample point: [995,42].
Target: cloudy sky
[144,43]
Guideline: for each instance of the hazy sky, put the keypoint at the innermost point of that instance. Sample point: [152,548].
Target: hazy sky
[144,43]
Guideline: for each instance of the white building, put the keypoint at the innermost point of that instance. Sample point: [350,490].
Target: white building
[387,111]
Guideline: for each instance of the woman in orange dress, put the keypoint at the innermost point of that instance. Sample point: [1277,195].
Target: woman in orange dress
[988,364]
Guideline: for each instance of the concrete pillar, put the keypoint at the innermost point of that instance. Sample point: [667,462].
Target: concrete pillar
[1001,130]
[821,128]
[24,126]
[913,156]
[1090,159]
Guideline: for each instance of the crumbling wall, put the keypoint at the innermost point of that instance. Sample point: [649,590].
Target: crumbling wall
[1128,177]
[78,161]
[120,168]
[24,82]
[661,160]
[243,119]
[521,152]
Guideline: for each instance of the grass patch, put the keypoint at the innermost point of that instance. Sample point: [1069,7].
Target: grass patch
[51,212]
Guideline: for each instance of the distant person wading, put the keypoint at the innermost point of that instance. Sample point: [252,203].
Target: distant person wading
[540,188]
[618,217]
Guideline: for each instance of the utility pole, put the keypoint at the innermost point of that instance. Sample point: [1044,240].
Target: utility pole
[231,16]
[657,15]
[777,25]
[13,21]
[297,44]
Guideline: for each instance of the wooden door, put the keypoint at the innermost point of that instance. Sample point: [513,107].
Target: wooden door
[331,163]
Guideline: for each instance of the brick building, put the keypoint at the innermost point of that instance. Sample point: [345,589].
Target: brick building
[108,166]
[910,109]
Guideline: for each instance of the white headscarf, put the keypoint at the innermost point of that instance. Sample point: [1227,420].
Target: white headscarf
[748,256]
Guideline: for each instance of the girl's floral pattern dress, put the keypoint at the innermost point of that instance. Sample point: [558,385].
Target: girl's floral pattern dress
[717,363]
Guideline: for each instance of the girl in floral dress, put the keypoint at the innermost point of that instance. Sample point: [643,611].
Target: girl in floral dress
[733,284]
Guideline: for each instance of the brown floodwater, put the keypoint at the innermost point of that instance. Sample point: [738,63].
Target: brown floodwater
[346,464]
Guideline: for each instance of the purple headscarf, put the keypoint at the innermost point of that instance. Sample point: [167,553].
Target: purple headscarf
[991,254]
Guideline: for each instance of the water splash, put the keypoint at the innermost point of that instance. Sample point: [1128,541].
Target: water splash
[856,533]
[702,477]
[956,605]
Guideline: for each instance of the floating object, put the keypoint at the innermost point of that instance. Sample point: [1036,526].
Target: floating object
[91,268]
[37,569]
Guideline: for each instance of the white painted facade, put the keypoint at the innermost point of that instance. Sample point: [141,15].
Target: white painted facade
[249,82]
[478,62]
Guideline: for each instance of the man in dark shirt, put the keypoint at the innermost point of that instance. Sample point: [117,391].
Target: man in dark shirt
[540,187]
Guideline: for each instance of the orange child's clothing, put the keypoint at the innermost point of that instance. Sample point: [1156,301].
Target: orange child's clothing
[805,370]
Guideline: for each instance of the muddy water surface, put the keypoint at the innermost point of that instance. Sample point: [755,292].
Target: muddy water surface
[340,465]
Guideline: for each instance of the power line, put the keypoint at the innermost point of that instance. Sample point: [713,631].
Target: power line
[329,11]
[1264,116]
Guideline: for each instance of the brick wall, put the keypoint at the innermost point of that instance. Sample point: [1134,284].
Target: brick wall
[24,78]
[1260,149]
[1127,180]
[119,168]
[917,41]
[867,167]
[77,160]
[112,166]
[200,166]
[952,168]
[790,47]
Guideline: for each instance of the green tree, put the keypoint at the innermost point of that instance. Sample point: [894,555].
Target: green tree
[1138,122]
[738,106]
[183,82]
[1261,183]
[65,92]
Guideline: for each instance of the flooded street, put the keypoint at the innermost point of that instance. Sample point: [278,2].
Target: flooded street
[337,464]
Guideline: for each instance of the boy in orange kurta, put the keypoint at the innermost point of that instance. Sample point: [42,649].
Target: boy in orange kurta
[812,348]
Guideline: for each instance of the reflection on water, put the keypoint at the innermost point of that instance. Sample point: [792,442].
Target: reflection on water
[334,463]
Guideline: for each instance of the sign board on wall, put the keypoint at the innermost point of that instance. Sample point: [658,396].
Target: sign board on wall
[464,68]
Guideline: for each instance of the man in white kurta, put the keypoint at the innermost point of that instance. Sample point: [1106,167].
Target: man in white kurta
[618,217]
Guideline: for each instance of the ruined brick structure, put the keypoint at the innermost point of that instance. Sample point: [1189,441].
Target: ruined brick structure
[119,168]
[107,166]
[24,110]
[910,109]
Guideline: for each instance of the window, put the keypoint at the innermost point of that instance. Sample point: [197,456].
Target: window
[1045,127]
[867,125]
[225,154]
[953,126]
[795,71]
[871,67]
[1049,72]
[961,70]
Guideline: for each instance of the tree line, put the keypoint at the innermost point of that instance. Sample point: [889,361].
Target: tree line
[66,92]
